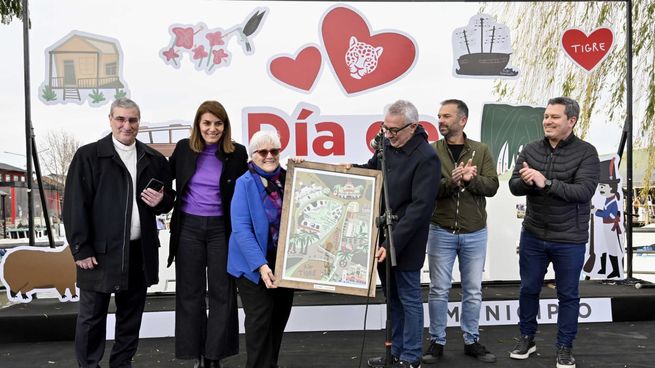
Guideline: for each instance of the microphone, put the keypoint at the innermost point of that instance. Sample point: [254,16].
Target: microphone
[376,142]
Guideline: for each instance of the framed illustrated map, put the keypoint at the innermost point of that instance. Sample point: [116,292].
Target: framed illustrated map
[327,231]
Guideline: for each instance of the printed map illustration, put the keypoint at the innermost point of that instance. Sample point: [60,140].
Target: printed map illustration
[329,228]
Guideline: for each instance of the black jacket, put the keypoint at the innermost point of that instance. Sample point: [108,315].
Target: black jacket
[183,166]
[561,213]
[98,211]
[413,175]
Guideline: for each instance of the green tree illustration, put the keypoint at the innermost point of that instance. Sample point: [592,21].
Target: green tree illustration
[119,94]
[96,96]
[48,94]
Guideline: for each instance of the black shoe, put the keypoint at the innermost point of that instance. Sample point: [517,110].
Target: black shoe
[200,362]
[479,352]
[381,362]
[209,363]
[565,358]
[524,347]
[433,354]
[406,364]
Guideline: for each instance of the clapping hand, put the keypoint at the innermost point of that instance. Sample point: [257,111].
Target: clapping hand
[531,176]
[464,173]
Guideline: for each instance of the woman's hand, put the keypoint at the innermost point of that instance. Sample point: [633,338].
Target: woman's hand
[267,276]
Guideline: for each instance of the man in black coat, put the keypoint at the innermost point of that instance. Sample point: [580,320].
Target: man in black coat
[558,175]
[413,172]
[109,216]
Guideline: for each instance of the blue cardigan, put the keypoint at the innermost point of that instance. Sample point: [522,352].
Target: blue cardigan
[248,241]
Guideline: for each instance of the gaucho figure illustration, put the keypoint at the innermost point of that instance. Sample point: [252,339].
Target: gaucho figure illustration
[608,239]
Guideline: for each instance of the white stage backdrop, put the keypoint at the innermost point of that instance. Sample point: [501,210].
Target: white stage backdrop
[320,73]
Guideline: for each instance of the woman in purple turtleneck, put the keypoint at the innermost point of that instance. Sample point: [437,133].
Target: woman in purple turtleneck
[205,168]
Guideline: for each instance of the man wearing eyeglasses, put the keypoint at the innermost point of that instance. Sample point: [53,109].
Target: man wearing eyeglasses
[109,216]
[459,230]
[413,169]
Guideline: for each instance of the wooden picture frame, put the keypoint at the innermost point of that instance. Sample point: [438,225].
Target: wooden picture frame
[328,235]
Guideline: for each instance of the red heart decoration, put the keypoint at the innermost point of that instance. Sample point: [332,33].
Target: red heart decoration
[300,71]
[587,51]
[398,51]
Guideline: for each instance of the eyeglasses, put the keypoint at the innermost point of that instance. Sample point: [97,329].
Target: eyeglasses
[264,152]
[393,131]
[122,119]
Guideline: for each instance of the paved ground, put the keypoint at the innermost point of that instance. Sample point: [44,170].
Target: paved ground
[618,344]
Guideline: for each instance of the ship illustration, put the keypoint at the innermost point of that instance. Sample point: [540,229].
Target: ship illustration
[489,62]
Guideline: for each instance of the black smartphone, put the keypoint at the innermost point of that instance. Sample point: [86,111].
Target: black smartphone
[155,185]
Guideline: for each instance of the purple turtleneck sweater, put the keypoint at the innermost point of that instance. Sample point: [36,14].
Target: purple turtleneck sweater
[203,194]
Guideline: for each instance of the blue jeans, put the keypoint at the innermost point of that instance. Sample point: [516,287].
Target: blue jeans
[567,259]
[406,305]
[470,249]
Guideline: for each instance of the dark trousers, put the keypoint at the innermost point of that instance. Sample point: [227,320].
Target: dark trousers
[567,259]
[200,272]
[267,312]
[91,327]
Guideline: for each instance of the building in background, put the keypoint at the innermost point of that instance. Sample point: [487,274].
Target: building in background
[13,182]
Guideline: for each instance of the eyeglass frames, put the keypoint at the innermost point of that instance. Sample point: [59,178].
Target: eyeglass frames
[392,131]
[264,152]
[122,119]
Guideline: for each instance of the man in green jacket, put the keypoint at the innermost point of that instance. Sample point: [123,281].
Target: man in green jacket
[459,229]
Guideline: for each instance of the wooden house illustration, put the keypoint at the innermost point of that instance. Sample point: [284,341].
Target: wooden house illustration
[80,61]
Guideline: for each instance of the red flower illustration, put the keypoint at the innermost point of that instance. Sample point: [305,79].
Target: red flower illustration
[183,37]
[171,54]
[219,55]
[199,52]
[215,38]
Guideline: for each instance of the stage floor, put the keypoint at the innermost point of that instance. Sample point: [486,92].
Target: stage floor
[40,334]
[617,344]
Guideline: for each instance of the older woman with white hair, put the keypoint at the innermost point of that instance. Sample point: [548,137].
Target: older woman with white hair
[256,212]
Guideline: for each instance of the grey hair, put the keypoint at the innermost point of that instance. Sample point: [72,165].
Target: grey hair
[124,103]
[262,138]
[571,107]
[404,108]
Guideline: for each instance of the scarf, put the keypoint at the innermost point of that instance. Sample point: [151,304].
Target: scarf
[273,188]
